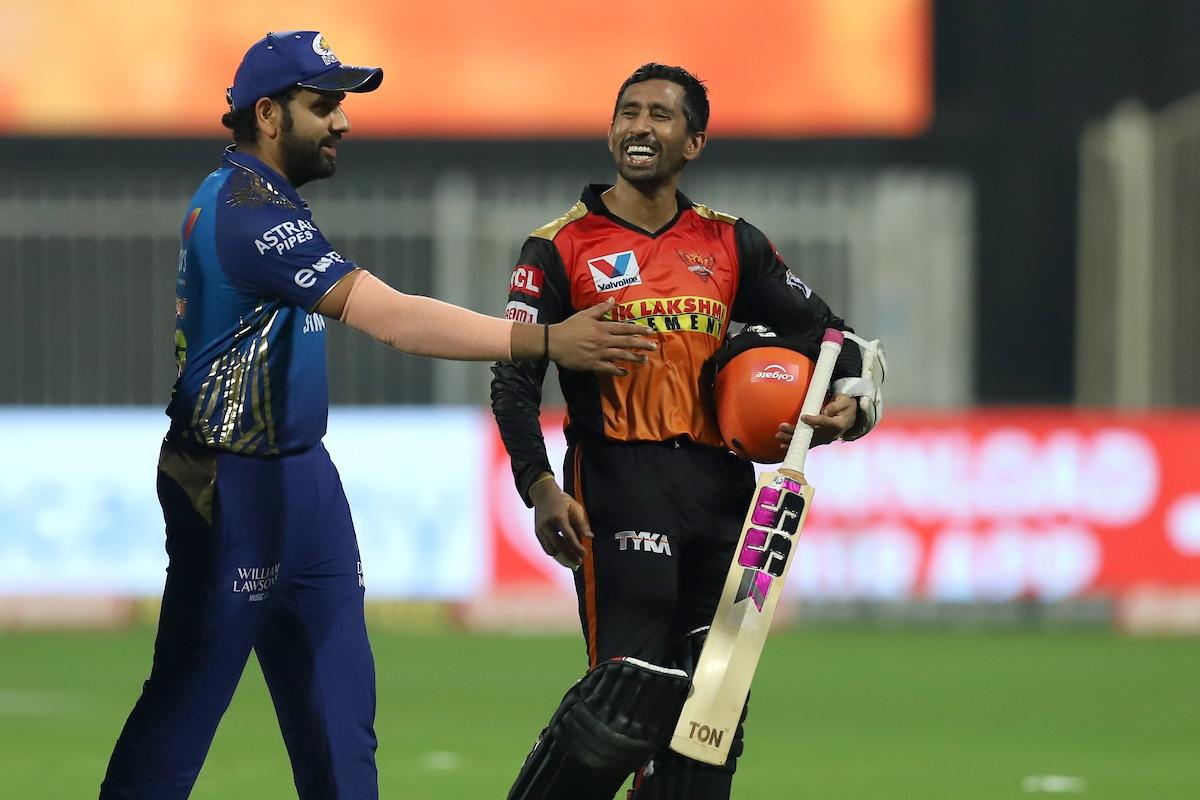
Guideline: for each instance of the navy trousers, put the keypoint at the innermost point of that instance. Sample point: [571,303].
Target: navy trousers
[263,557]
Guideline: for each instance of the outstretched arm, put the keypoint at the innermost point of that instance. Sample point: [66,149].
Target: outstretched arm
[428,327]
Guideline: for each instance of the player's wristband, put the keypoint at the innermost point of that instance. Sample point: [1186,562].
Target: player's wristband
[545,476]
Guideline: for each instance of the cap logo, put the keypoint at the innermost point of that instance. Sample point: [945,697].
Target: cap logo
[321,48]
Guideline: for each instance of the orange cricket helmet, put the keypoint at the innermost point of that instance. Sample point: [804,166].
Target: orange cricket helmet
[759,382]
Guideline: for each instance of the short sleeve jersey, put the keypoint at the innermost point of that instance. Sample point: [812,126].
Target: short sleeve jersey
[248,344]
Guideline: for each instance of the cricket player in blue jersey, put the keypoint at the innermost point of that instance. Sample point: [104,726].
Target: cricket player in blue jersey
[262,550]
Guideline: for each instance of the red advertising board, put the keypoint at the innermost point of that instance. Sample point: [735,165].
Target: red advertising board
[518,562]
[985,505]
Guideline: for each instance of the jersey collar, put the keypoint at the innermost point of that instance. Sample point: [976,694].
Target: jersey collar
[274,180]
[595,204]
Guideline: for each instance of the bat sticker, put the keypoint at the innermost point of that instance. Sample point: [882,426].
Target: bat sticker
[765,550]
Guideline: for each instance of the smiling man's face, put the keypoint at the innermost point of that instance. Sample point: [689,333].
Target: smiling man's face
[649,137]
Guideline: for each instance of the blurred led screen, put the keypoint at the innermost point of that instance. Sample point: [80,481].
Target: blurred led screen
[470,69]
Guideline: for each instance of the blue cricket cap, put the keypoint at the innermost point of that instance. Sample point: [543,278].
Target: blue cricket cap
[295,58]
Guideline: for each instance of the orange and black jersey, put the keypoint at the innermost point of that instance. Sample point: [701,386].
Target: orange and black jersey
[686,282]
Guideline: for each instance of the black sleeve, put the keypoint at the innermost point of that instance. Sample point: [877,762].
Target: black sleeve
[770,294]
[538,294]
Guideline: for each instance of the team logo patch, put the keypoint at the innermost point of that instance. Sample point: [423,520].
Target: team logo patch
[775,373]
[701,266]
[526,279]
[321,48]
[615,271]
[520,312]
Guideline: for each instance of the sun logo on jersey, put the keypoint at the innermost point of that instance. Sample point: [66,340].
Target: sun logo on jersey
[698,265]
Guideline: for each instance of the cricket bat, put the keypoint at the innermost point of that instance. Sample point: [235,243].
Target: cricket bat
[760,565]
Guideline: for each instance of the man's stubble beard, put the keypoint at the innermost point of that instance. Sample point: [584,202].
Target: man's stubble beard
[303,160]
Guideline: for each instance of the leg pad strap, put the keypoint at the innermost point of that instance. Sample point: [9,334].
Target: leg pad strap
[608,723]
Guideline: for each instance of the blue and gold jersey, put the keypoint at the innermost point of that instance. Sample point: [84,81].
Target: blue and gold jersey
[250,349]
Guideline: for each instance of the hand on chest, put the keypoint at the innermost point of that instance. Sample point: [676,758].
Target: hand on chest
[670,282]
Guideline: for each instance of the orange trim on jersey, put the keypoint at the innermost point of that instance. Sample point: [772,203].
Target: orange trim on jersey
[589,564]
[589,589]
[639,778]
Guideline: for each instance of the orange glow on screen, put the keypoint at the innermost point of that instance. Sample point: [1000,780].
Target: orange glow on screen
[520,68]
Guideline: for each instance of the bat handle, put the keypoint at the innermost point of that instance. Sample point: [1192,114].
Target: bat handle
[814,399]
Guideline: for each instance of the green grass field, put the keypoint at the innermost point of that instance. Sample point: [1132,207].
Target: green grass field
[854,715]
